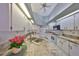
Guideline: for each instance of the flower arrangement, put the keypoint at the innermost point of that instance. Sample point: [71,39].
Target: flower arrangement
[16,42]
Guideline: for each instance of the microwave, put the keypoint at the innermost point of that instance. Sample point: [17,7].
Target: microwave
[56,27]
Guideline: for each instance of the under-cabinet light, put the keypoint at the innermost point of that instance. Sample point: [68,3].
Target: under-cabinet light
[70,14]
[24,8]
[32,21]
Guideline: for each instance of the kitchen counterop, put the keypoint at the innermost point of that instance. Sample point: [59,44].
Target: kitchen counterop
[69,37]
[76,41]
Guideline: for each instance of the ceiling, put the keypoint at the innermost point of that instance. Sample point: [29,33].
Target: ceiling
[49,12]
[38,8]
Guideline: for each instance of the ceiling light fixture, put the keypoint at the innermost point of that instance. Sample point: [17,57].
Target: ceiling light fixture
[24,8]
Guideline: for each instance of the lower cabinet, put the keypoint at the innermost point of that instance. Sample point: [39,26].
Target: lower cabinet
[63,44]
[59,42]
[67,47]
[61,53]
[74,49]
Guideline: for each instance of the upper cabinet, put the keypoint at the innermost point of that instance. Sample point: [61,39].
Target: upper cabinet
[4,17]
[11,17]
[77,21]
[67,23]
[61,23]
[18,19]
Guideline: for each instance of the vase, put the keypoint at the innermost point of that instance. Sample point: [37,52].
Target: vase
[16,50]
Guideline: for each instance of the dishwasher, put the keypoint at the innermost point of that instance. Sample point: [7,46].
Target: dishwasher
[54,39]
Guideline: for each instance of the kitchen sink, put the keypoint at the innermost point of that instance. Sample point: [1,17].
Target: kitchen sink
[36,40]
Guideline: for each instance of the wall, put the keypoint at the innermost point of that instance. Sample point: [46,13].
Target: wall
[6,35]
[4,17]
[19,22]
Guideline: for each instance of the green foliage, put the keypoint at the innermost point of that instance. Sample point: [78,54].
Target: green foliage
[15,45]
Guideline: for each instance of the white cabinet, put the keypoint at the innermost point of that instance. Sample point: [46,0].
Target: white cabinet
[64,45]
[58,42]
[18,19]
[74,49]
[4,17]
[61,24]
[67,48]
[61,45]
[67,23]
[70,23]
[77,21]
[61,53]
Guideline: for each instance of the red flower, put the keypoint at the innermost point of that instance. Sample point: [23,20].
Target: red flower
[17,39]
[19,42]
[11,40]
[22,38]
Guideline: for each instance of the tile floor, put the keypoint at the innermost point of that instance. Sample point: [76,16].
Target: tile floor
[44,48]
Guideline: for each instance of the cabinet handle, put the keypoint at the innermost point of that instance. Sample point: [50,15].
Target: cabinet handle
[70,47]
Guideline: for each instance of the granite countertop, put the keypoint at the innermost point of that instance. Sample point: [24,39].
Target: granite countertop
[76,41]
[69,37]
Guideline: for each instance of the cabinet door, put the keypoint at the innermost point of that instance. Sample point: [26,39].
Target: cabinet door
[77,21]
[62,25]
[67,23]
[63,47]
[70,23]
[58,42]
[61,53]
[18,18]
[4,17]
[74,49]
[66,46]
